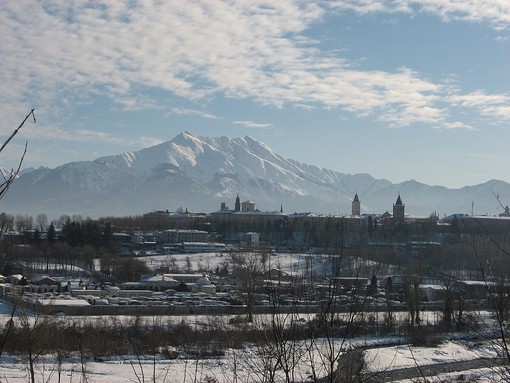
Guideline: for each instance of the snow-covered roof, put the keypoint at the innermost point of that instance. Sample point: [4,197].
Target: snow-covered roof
[159,278]
[41,278]
[64,302]
[260,213]
[203,281]
[190,231]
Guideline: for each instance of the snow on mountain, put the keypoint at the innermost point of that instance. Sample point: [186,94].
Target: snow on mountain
[200,172]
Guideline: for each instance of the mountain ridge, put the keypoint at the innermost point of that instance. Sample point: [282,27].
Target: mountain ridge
[200,172]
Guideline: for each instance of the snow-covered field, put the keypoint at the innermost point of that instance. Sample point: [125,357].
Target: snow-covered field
[405,356]
[246,365]
[236,365]
[290,263]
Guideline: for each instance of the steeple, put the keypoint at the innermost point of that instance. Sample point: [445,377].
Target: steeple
[237,206]
[356,206]
[398,210]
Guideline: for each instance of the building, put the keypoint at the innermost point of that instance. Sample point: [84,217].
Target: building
[247,206]
[178,236]
[203,285]
[185,278]
[230,225]
[356,206]
[159,282]
[123,243]
[398,210]
[203,247]
[251,240]
[237,206]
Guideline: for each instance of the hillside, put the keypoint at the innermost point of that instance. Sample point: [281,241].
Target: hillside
[199,173]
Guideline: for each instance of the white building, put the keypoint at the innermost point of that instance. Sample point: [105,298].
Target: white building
[248,206]
[178,236]
[251,240]
[203,285]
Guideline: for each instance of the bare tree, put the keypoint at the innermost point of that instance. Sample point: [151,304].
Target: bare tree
[249,267]
[5,183]
[8,179]
[34,336]
[41,222]
[497,287]
[411,292]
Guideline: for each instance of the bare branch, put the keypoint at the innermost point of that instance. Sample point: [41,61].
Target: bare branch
[8,179]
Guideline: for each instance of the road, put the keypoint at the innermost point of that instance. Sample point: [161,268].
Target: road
[433,370]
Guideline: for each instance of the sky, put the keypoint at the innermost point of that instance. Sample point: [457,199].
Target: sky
[399,89]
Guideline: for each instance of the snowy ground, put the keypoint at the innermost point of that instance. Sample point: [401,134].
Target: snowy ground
[404,356]
[290,263]
[236,365]
[244,365]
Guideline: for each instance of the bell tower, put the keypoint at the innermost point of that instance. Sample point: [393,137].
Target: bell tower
[356,206]
[398,210]
[237,206]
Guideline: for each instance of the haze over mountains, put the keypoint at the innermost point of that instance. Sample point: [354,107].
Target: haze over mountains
[199,173]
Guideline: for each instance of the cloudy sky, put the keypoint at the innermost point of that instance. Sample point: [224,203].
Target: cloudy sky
[400,89]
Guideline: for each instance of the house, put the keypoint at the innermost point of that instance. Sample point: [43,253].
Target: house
[159,282]
[203,285]
[278,274]
[185,278]
[44,280]
[178,236]
[123,243]
[251,240]
[14,279]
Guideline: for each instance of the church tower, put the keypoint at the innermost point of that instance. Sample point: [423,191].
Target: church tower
[238,204]
[356,206]
[398,210]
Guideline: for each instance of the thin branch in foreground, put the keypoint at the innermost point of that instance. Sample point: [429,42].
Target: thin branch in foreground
[8,179]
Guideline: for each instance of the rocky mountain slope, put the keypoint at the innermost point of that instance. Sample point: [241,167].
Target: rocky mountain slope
[199,173]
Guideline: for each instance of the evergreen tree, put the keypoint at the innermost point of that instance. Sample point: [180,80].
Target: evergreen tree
[92,234]
[73,233]
[51,235]
[107,234]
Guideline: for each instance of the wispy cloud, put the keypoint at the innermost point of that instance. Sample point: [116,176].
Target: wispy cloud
[137,103]
[57,51]
[456,125]
[496,106]
[493,12]
[252,125]
[191,112]
[86,135]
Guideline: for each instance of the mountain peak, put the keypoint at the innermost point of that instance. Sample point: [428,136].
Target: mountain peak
[185,137]
[200,172]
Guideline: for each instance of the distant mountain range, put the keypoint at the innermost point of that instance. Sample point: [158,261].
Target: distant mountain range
[199,173]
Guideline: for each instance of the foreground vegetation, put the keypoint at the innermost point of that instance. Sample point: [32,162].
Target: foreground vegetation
[282,344]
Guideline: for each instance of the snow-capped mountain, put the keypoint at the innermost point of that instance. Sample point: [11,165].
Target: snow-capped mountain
[199,173]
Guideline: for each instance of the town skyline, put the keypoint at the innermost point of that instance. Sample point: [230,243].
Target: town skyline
[199,173]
